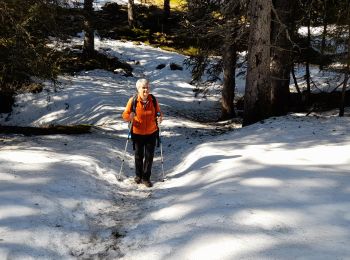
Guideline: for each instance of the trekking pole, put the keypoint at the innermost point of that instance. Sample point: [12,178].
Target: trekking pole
[124,155]
[161,149]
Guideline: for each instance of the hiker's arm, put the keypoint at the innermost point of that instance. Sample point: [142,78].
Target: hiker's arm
[127,114]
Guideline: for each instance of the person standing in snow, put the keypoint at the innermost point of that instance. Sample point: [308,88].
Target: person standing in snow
[144,113]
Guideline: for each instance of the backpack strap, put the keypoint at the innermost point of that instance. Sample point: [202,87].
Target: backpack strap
[134,103]
[154,100]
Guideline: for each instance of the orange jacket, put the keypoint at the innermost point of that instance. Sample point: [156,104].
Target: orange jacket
[144,122]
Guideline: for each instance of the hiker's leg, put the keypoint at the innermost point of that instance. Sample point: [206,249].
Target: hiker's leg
[149,154]
[139,155]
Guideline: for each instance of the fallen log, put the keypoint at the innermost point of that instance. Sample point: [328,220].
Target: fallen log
[46,130]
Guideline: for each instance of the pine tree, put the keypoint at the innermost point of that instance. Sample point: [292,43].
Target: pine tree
[218,28]
[131,14]
[166,8]
[257,98]
[24,30]
[89,35]
[281,55]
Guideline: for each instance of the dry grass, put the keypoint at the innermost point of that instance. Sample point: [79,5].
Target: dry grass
[177,5]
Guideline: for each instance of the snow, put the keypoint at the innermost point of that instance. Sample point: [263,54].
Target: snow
[278,189]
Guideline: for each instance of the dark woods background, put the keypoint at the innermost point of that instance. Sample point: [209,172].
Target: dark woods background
[266,31]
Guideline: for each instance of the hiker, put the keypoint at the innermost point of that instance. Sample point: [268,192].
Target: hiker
[141,110]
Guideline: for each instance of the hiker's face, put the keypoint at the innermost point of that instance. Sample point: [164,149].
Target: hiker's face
[144,91]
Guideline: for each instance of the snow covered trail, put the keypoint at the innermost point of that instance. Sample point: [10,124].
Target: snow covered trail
[59,197]
[277,190]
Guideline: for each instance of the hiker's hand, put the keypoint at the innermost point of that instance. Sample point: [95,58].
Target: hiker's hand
[159,119]
[131,116]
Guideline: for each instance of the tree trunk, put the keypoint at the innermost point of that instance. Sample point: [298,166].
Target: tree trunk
[324,32]
[131,13]
[295,80]
[228,90]
[89,37]
[342,101]
[257,99]
[6,100]
[307,65]
[281,56]
[166,9]
[346,77]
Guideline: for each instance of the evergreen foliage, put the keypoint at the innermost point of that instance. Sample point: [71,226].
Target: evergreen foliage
[24,30]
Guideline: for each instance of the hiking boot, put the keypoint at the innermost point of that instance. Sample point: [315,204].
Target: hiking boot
[137,179]
[147,183]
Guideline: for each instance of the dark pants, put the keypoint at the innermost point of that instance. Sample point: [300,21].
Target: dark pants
[144,153]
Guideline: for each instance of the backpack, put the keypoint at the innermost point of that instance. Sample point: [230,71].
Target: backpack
[133,109]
